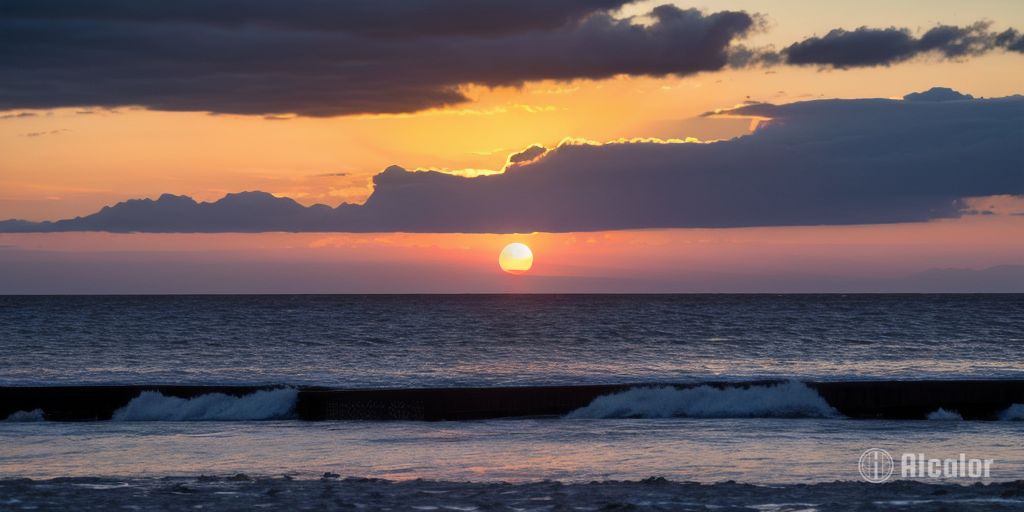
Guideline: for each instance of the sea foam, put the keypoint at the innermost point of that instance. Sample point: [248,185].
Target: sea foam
[261,405]
[941,414]
[1014,412]
[27,416]
[789,399]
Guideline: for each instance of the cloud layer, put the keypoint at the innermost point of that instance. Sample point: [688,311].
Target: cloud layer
[324,58]
[865,46]
[824,162]
[321,58]
[386,18]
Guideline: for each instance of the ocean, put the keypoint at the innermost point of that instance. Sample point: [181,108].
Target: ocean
[466,340]
[752,426]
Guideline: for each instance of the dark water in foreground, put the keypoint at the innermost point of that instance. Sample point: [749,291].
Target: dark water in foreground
[424,340]
[240,492]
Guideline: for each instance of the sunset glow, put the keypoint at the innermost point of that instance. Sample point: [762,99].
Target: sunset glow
[515,258]
[247,254]
[596,159]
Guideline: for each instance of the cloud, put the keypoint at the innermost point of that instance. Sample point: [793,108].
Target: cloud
[43,134]
[937,94]
[1012,40]
[824,162]
[527,155]
[382,18]
[998,279]
[18,115]
[316,58]
[864,46]
[279,60]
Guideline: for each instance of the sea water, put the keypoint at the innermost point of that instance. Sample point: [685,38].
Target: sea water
[770,448]
[438,341]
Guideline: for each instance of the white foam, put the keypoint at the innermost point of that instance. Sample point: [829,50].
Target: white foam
[27,416]
[783,400]
[261,405]
[1014,412]
[941,414]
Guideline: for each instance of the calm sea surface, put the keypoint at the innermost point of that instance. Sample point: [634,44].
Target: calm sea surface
[425,340]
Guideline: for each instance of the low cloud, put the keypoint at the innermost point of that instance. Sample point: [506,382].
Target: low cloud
[316,58]
[44,134]
[18,115]
[824,162]
[527,155]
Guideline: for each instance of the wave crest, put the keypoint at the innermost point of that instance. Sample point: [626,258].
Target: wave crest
[1014,412]
[261,405]
[783,400]
[26,416]
[941,414]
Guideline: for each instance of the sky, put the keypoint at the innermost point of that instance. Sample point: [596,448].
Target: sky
[678,146]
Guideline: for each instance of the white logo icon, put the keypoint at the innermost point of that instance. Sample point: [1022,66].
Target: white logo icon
[876,465]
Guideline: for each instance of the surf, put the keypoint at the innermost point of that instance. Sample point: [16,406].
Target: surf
[789,399]
[261,405]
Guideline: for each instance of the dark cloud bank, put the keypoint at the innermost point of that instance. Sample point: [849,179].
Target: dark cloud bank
[325,58]
[821,162]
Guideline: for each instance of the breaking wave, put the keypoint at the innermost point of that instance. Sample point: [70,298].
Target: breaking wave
[783,400]
[27,416]
[941,414]
[261,405]
[1014,412]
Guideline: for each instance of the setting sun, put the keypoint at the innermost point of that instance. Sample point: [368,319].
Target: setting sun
[748,215]
[516,258]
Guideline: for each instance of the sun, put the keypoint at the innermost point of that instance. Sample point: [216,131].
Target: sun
[515,258]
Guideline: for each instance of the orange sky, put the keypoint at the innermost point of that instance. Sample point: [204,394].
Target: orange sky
[844,258]
[67,162]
